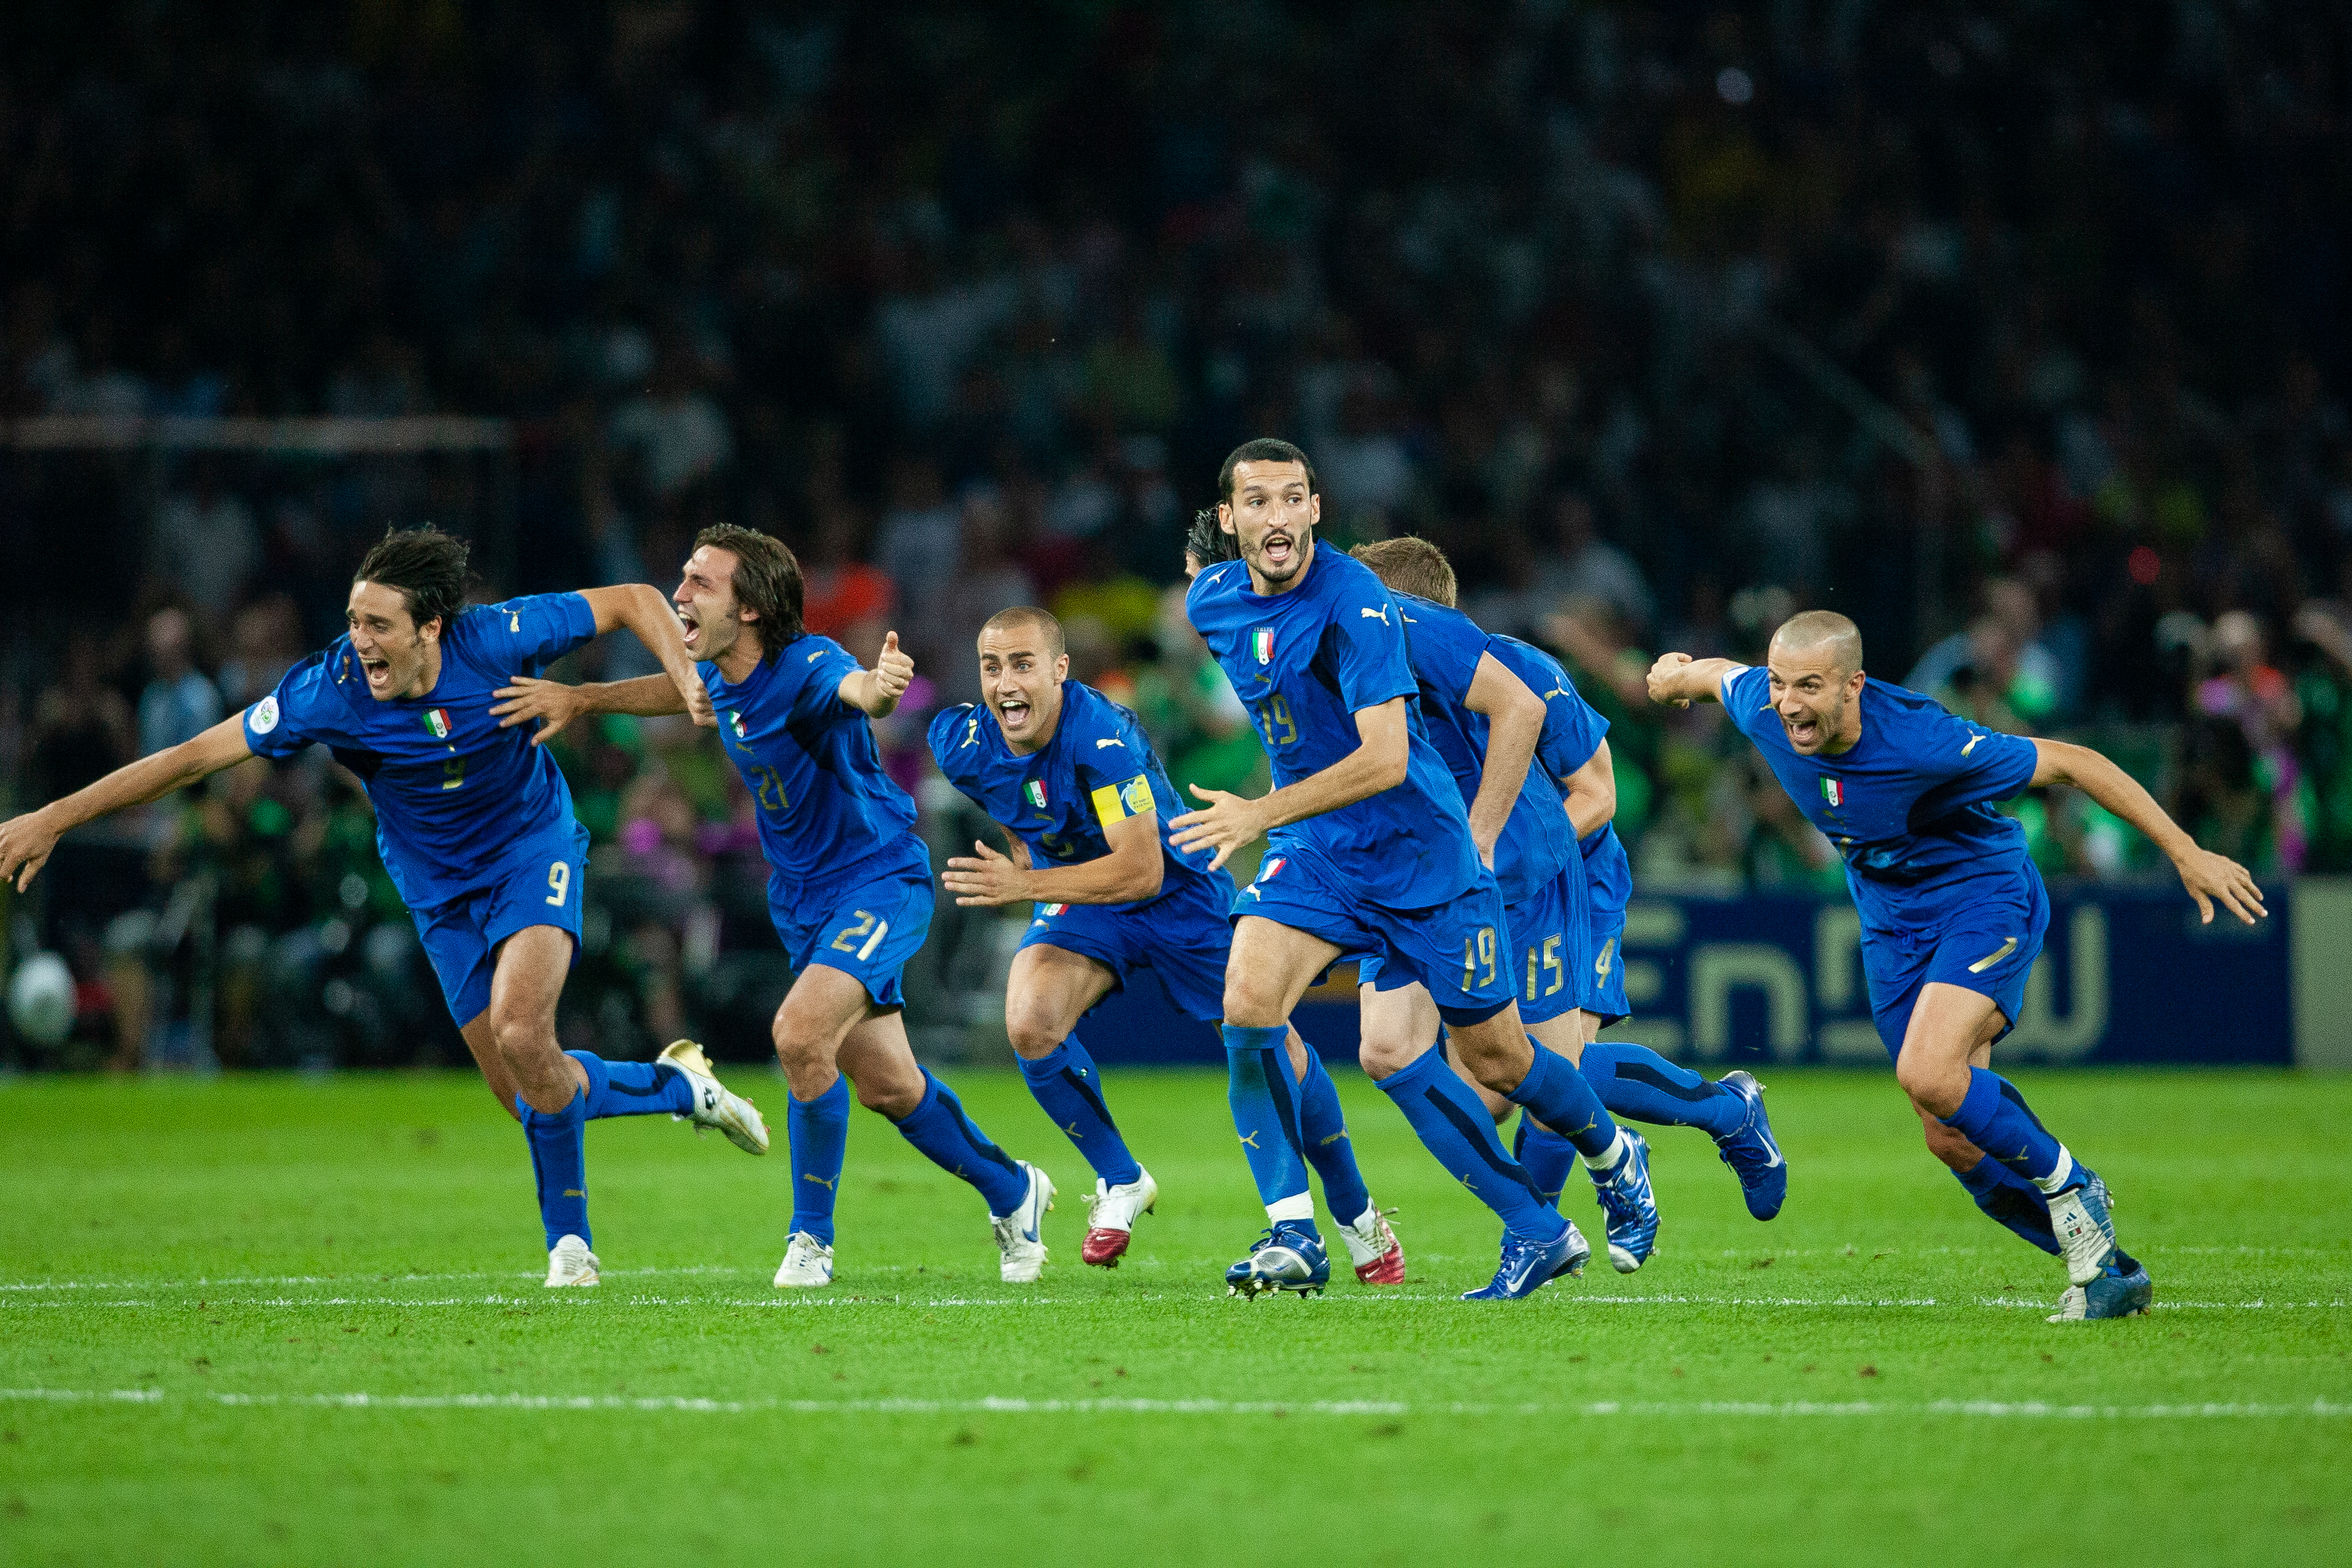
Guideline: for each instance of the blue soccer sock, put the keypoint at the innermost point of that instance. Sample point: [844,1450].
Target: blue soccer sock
[947,1137]
[1547,1158]
[1452,1122]
[1995,1117]
[633,1089]
[1265,1114]
[818,1132]
[2009,1199]
[559,1163]
[1636,1082]
[1562,1100]
[1323,1131]
[1069,1090]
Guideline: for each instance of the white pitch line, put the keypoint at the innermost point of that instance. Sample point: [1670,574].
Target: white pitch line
[1567,1298]
[662,1405]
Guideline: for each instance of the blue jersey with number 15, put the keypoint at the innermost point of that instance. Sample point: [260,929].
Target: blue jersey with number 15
[456,797]
[1306,662]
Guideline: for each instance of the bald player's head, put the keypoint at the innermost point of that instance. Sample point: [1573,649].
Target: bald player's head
[1815,667]
[1824,631]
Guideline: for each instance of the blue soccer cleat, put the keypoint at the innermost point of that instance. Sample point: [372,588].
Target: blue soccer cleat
[2121,1291]
[1289,1256]
[1628,1205]
[1527,1265]
[2086,1236]
[1752,1153]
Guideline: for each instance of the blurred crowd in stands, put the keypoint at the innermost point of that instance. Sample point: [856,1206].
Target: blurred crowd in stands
[2018,331]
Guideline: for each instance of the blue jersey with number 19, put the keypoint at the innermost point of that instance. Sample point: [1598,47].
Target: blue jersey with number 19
[828,814]
[1306,662]
[456,797]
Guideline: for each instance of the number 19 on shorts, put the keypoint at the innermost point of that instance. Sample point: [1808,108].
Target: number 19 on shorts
[1478,959]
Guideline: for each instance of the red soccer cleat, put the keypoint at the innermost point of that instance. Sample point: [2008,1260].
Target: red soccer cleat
[1110,1217]
[1373,1247]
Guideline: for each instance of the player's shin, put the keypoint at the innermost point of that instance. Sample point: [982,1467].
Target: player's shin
[559,1163]
[1454,1125]
[1562,1099]
[1265,1104]
[938,1127]
[1068,1089]
[818,1131]
[1637,1083]
[633,1089]
[1323,1133]
[1995,1117]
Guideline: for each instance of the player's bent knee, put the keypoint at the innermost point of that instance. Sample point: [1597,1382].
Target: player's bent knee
[1381,1054]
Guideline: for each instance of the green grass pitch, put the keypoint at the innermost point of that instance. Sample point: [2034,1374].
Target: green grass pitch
[270,1321]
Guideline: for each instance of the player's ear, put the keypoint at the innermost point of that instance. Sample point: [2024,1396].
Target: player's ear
[1225,517]
[1314,509]
[1061,668]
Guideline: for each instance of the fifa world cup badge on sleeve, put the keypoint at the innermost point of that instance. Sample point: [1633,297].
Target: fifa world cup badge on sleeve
[264,716]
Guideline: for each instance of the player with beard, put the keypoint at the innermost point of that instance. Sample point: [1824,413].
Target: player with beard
[1370,851]
[1953,911]
[476,830]
[1083,802]
[849,885]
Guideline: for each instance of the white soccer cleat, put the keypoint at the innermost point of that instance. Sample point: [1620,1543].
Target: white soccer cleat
[716,1105]
[569,1263]
[2086,1235]
[1110,1216]
[808,1263]
[1373,1247]
[1019,1235]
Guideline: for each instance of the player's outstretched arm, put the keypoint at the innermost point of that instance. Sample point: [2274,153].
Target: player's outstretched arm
[553,705]
[876,693]
[26,842]
[1677,679]
[1128,874]
[1377,763]
[2207,875]
[1515,719]
[1590,794]
[648,612]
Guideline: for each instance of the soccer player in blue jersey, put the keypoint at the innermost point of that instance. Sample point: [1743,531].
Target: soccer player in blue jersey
[1565,938]
[1952,909]
[476,830]
[1084,801]
[1369,850]
[1486,723]
[849,885]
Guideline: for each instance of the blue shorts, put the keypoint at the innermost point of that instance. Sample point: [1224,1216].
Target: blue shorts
[1600,985]
[1987,946]
[1549,940]
[1184,937]
[1459,950]
[867,928]
[539,884]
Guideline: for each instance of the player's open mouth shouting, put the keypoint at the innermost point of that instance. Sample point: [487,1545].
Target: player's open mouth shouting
[1277,551]
[690,628]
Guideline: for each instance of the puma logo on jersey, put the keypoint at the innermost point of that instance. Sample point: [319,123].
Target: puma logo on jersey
[971,731]
[814,656]
[1100,745]
[1380,614]
[514,620]
[1972,745]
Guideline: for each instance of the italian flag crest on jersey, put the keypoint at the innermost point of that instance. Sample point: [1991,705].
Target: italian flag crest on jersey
[1833,791]
[1034,790]
[437,720]
[1262,643]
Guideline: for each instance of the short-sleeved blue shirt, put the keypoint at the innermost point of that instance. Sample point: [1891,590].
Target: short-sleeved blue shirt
[1909,805]
[1304,663]
[828,812]
[1572,728]
[1098,769]
[453,792]
[1446,647]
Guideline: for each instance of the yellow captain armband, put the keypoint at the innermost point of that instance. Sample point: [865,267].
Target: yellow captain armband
[1115,803]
